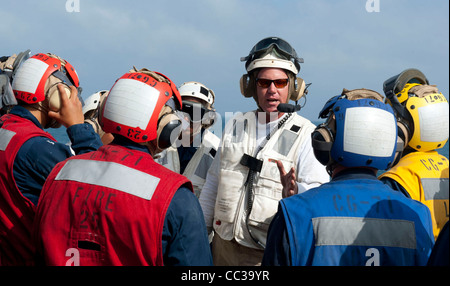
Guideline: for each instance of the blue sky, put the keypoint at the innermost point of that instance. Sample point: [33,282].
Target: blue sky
[344,46]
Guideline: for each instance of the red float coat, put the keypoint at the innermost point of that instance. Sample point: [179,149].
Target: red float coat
[105,208]
[16,211]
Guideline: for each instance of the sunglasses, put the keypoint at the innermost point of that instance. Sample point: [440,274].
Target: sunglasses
[265,83]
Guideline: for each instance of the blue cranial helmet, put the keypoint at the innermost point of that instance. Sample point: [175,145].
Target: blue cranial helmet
[357,133]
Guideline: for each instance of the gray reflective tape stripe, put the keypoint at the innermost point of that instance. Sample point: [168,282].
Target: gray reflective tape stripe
[111,175]
[5,137]
[364,232]
[435,189]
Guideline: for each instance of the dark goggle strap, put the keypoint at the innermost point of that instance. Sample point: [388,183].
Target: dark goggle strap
[63,77]
[192,109]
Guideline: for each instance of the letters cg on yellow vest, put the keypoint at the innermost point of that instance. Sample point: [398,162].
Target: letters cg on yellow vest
[424,175]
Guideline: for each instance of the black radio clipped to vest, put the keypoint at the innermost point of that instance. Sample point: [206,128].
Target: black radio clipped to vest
[251,162]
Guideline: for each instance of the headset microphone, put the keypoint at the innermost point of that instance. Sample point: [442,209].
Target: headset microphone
[289,108]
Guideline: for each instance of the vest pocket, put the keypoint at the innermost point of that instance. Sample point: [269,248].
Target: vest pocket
[228,195]
[266,195]
[270,175]
[263,211]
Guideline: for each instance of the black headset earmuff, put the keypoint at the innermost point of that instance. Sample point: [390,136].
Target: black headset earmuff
[246,86]
[169,128]
[322,140]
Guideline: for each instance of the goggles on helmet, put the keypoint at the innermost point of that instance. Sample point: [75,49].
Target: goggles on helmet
[7,97]
[393,86]
[282,48]
[194,111]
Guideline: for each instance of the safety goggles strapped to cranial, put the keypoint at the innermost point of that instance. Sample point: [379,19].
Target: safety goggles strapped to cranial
[284,51]
[194,111]
[7,97]
[10,67]
[393,87]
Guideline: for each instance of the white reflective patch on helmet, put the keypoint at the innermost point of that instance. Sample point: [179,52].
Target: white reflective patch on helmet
[131,103]
[29,75]
[196,90]
[369,132]
[434,124]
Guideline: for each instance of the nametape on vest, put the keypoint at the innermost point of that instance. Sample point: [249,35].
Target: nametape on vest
[435,188]
[5,137]
[360,231]
[111,175]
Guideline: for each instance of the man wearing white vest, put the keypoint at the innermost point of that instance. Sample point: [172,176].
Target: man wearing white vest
[193,153]
[243,187]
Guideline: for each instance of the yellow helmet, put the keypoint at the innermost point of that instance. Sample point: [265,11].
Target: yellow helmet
[403,95]
[422,111]
[429,111]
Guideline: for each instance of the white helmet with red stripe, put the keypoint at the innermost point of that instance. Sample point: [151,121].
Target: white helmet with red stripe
[141,107]
[37,77]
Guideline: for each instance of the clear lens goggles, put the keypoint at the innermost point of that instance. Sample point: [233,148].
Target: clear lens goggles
[283,47]
[196,112]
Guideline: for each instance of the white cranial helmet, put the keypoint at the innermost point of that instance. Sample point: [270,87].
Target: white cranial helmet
[197,90]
